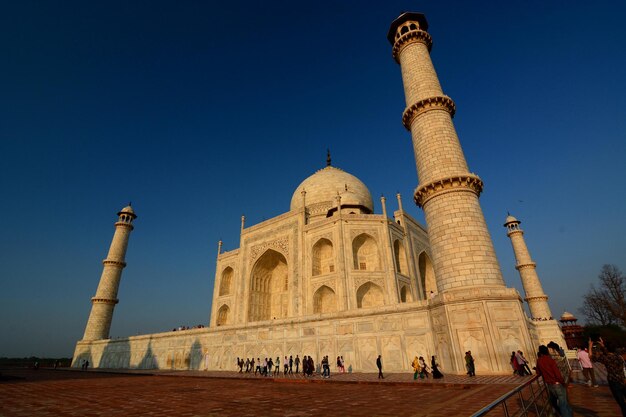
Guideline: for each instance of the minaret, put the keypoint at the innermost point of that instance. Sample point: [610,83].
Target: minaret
[535,297]
[104,301]
[463,254]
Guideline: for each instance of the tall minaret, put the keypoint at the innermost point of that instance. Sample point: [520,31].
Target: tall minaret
[463,254]
[104,301]
[535,297]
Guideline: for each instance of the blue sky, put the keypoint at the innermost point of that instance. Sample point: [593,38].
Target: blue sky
[199,112]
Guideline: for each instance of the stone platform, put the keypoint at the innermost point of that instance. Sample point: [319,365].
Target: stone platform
[190,393]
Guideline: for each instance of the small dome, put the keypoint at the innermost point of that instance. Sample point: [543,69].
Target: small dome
[323,186]
[510,219]
[128,210]
[567,316]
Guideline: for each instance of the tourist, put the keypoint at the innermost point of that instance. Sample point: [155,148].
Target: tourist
[291,365]
[546,367]
[523,362]
[379,365]
[416,368]
[614,369]
[587,365]
[558,350]
[247,365]
[311,366]
[258,366]
[277,366]
[515,365]
[297,364]
[266,364]
[286,366]
[343,365]
[469,363]
[423,368]
[435,368]
[325,367]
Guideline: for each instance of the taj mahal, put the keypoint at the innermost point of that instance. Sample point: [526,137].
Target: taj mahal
[332,277]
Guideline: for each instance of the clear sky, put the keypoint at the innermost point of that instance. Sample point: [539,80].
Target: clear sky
[199,112]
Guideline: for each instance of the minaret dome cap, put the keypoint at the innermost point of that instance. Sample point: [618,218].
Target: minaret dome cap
[127,210]
[510,219]
[406,16]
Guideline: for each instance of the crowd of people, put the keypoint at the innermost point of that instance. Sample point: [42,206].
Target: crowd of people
[270,367]
[519,364]
[422,371]
[181,328]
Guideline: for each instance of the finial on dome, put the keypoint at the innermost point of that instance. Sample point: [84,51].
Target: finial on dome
[327,157]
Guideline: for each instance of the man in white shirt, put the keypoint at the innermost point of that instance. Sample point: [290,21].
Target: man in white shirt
[587,365]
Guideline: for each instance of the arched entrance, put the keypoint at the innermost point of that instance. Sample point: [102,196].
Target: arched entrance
[269,283]
[369,295]
[324,300]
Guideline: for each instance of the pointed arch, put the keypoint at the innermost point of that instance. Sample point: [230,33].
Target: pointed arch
[269,282]
[369,295]
[222,315]
[323,258]
[427,275]
[324,300]
[399,255]
[365,253]
[225,281]
[405,294]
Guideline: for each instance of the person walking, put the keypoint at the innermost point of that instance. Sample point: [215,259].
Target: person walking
[435,367]
[291,365]
[297,364]
[423,367]
[277,366]
[515,365]
[547,369]
[311,366]
[416,368]
[587,365]
[469,363]
[522,362]
[285,366]
[614,370]
[379,365]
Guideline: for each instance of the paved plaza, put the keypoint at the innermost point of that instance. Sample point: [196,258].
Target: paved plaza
[96,393]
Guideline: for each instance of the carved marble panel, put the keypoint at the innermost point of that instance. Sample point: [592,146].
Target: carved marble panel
[367,353]
[392,355]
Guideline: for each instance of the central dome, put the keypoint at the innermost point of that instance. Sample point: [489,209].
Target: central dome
[322,189]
